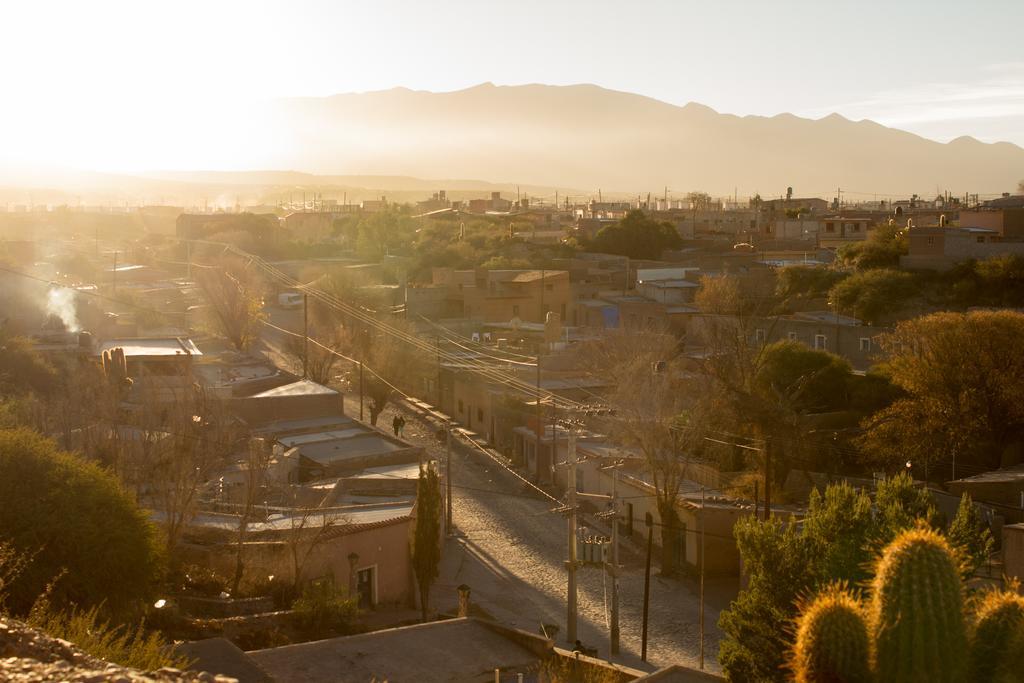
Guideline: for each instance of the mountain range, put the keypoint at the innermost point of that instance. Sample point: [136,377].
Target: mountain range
[577,139]
[589,137]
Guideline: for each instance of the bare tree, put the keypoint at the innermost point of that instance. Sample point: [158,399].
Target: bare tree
[309,530]
[256,465]
[653,404]
[390,362]
[199,439]
[321,362]
[234,294]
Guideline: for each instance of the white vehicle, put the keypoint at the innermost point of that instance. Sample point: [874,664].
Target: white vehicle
[289,300]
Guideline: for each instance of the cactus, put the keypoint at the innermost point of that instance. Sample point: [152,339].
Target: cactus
[914,629]
[917,617]
[832,640]
[998,639]
[115,366]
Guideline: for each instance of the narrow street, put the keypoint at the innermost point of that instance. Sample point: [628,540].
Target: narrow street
[509,548]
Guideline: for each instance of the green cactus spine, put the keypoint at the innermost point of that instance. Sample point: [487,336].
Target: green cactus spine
[917,621]
[832,640]
[998,639]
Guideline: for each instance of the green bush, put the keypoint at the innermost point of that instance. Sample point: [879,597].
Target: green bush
[77,522]
[325,610]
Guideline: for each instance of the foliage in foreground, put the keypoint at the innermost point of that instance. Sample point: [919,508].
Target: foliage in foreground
[126,645]
[913,628]
[87,629]
[837,542]
[74,520]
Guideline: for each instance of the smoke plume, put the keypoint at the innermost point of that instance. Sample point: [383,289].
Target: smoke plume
[61,303]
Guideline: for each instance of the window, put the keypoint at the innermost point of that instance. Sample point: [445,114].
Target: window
[479,415]
[865,343]
[461,409]
[549,288]
[830,227]
[759,335]
[820,342]
[563,313]
[791,336]
[515,310]
[981,239]
[931,240]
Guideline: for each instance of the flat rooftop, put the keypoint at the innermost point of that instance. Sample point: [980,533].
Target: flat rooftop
[436,652]
[150,347]
[303,387]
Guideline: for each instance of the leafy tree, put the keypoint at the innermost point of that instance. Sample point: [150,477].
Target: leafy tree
[23,370]
[995,282]
[961,375]
[872,295]
[815,380]
[968,532]
[77,523]
[882,249]
[636,236]
[776,557]
[426,543]
[383,233]
[795,283]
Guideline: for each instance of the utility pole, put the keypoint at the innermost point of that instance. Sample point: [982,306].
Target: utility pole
[437,345]
[649,521]
[448,478]
[305,335]
[188,258]
[540,427]
[614,566]
[702,517]
[767,478]
[570,566]
[360,391]
[113,275]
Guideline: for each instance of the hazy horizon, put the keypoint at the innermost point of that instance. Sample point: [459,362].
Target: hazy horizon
[125,87]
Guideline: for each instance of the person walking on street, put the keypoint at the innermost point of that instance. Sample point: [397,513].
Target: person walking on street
[396,424]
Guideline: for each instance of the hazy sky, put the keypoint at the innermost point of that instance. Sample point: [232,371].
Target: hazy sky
[137,84]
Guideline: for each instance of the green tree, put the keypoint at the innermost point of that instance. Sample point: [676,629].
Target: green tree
[960,375]
[384,233]
[797,283]
[23,370]
[968,532]
[426,543]
[873,295]
[882,249]
[77,524]
[813,380]
[776,557]
[636,236]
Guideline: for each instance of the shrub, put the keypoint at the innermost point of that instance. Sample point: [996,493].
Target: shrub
[323,610]
[77,522]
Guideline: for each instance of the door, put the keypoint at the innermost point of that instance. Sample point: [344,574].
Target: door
[364,587]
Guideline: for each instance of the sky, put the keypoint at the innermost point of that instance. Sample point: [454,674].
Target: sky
[132,85]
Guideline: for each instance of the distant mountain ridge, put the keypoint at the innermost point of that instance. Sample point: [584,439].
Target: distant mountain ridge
[590,137]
